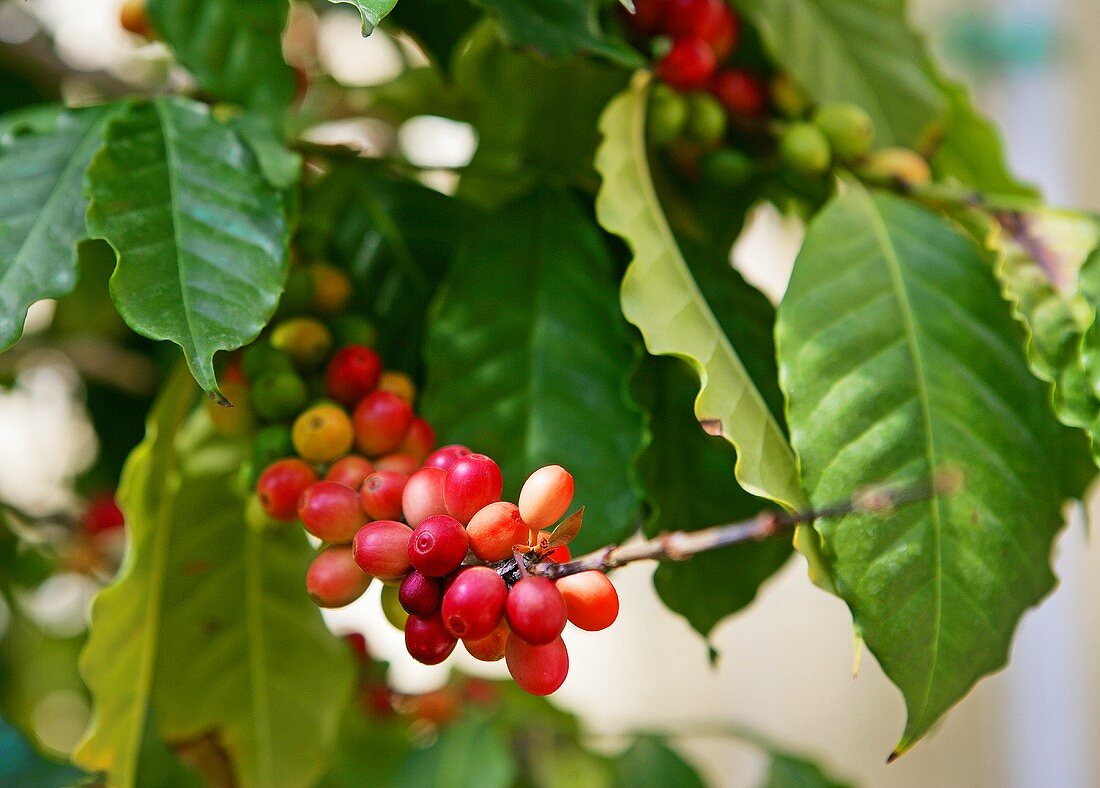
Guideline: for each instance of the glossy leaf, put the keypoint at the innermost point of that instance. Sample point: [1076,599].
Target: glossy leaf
[528,359]
[558,28]
[899,359]
[200,235]
[854,50]
[233,49]
[372,11]
[42,208]
[663,299]
[468,753]
[793,771]
[207,628]
[650,761]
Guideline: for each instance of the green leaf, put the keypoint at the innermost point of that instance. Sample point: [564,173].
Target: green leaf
[42,210]
[233,49]
[201,237]
[396,238]
[528,359]
[854,50]
[899,358]
[280,165]
[794,771]
[558,28]
[438,25]
[650,761]
[372,11]
[470,753]
[207,627]
[663,299]
[370,751]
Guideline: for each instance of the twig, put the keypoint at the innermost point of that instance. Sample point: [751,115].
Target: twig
[680,545]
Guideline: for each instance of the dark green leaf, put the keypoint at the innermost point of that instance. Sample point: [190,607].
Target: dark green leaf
[42,210]
[370,751]
[372,11]
[280,165]
[471,753]
[558,28]
[854,50]
[529,358]
[650,761]
[200,235]
[234,49]
[899,359]
[794,771]
[438,25]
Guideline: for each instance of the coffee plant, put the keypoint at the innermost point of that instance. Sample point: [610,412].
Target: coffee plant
[427,378]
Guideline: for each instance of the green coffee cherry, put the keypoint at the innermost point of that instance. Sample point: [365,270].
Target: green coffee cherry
[306,340]
[788,97]
[848,128]
[270,444]
[391,607]
[668,114]
[279,396]
[232,420]
[804,149]
[896,164]
[728,167]
[706,121]
[297,294]
[261,359]
[354,330]
[256,518]
[244,482]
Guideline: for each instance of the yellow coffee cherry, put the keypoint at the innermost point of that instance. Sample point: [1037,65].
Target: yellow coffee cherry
[398,383]
[236,420]
[306,340]
[331,289]
[899,164]
[322,433]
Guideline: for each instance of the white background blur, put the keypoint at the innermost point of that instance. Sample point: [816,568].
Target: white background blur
[785,667]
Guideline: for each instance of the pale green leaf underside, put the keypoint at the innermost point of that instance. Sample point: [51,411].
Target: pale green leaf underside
[42,209]
[660,296]
[207,626]
[529,358]
[200,234]
[898,357]
[372,11]
[854,50]
[232,47]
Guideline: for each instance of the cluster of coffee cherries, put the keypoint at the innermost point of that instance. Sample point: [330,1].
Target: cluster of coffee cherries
[709,111]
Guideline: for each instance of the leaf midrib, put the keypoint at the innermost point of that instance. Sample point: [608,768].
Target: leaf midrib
[893,265]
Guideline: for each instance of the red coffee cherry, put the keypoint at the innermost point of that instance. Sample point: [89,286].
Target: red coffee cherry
[742,93]
[382,549]
[711,21]
[545,496]
[419,440]
[536,610]
[590,599]
[358,645]
[427,640]
[495,530]
[473,482]
[280,486]
[397,461]
[474,603]
[438,546]
[352,374]
[102,514]
[381,420]
[559,555]
[648,17]
[689,64]
[334,579]
[491,647]
[330,511]
[350,471]
[380,495]
[539,670]
[445,456]
[423,495]
[419,594]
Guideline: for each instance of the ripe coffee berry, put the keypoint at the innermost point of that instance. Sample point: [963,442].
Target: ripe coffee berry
[473,482]
[331,512]
[420,594]
[474,604]
[102,515]
[427,640]
[545,496]
[495,530]
[742,94]
[280,486]
[591,600]
[351,471]
[398,383]
[419,440]
[382,549]
[322,433]
[381,420]
[380,495]
[491,647]
[352,374]
[334,579]
[397,461]
[688,65]
[539,670]
[438,545]
[648,17]
[536,610]
[446,456]
[711,21]
[423,495]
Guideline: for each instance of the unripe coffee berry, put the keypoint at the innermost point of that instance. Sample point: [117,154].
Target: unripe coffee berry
[380,495]
[427,640]
[306,340]
[322,433]
[536,610]
[280,486]
[495,530]
[382,549]
[334,579]
[420,594]
[278,395]
[391,607]
[473,482]
[352,374]
[539,670]
[590,599]
[848,128]
[331,512]
[438,545]
[398,383]
[667,115]
[381,420]
[474,603]
[805,150]
[331,289]
[545,496]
